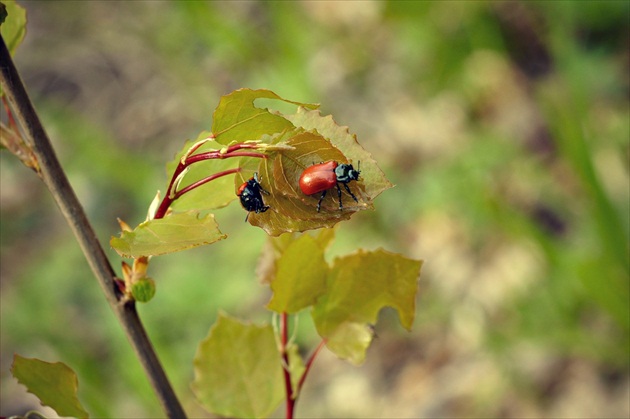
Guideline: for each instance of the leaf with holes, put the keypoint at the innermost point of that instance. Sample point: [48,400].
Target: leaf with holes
[237,119]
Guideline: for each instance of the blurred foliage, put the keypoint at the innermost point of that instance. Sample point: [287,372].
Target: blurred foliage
[504,126]
[53,383]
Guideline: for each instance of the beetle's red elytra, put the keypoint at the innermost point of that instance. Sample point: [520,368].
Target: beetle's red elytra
[324,176]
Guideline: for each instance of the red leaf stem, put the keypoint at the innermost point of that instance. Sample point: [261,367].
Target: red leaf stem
[12,123]
[307,367]
[284,337]
[231,151]
[205,180]
[218,155]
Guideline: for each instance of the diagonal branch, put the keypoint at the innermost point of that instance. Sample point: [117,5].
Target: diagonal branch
[57,182]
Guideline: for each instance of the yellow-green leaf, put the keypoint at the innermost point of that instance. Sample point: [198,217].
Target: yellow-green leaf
[238,372]
[214,194]
[13,29]
[55,384]
[300,276]
[276,246]
[175,232]
[237,118]
[358,287]
[296,366]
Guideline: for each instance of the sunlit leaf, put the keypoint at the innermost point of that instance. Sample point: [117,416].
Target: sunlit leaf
[276,246]
[175,232]
[372,177]
[291,210]
[300,276]
[55,384]
[214,194]
[358,287]
[236,118]
[238,372]
[13,29]
[311,148]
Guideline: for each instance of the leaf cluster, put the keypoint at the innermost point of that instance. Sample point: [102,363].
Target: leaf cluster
[278,147]
[237,372]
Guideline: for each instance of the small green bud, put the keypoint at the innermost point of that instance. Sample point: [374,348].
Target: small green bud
[143,290]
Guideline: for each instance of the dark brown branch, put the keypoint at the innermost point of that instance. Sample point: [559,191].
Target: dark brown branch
[57,182]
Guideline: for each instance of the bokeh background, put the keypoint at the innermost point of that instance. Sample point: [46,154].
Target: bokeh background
[504,125]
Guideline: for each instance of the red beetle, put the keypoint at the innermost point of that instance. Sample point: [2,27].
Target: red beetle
[324,176]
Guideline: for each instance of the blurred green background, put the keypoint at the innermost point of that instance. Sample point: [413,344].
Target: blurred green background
[505,127]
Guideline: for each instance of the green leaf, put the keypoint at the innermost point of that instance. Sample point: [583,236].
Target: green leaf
[276,246]
[301,274]
[359,286]
[13,29]
[215,194]
[296,367]
[237,370]
[236,118]
[55,384]
[175,232]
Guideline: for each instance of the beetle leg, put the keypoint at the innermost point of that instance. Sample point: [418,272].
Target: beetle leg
[350,192]
[319,204]
[339,195]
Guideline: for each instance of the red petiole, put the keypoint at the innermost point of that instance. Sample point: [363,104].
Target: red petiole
[284,338]
[231,151]
[204,180]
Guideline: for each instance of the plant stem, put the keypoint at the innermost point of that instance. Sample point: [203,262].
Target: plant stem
[170,197]
[205,180]
[218,155]
[56,181]
[309,363]
[284,338]
[215,154]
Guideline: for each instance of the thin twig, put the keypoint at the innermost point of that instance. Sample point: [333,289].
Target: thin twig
[57,182]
